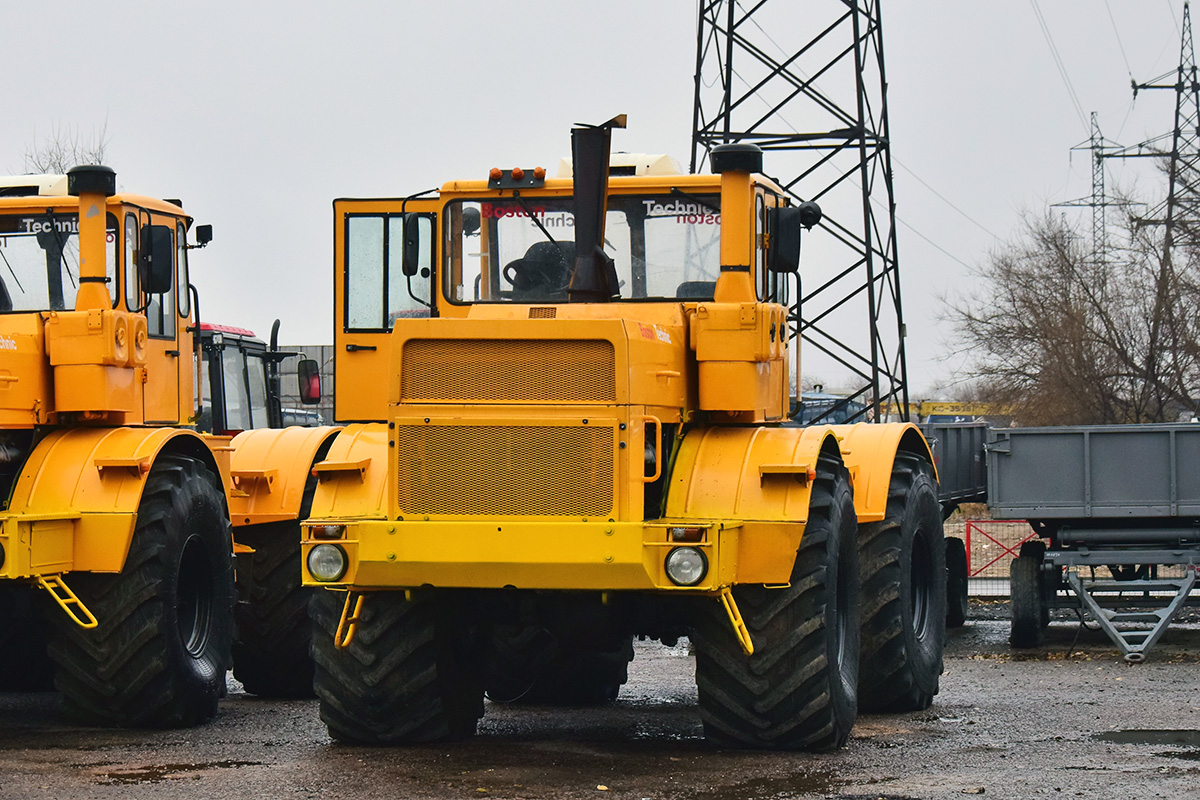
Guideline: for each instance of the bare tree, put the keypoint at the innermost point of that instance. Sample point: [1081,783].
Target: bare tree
[64,148]
[1062,338]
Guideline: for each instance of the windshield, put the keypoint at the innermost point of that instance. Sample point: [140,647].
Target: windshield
[523,250]
[39,261]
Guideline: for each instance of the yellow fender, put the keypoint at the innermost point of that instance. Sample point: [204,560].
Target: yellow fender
[269,469]
[869,450]
[352,478]
[80,490]
[756,483]
[742,473]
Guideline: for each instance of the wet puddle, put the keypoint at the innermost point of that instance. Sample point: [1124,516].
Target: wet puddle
[163,772]
[1178,738]
[1151,737]
[774,787]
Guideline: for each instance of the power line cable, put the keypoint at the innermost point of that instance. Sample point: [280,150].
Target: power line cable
[878,203]
[1058,62]
[1117,33]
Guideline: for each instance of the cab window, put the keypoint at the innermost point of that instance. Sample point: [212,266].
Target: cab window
[377,290]
[133,290]
[181,271]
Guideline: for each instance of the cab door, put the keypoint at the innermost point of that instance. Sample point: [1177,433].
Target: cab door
[168,384]
[371,292]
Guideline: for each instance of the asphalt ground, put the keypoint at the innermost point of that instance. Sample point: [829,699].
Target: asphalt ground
[1069,719]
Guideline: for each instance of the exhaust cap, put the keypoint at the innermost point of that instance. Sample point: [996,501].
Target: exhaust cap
[736,157]
[91,178]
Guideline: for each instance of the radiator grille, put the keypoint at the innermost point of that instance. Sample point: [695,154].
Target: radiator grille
[508,371]
[505,470]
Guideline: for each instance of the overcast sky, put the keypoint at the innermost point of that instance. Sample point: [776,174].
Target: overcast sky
[258,115]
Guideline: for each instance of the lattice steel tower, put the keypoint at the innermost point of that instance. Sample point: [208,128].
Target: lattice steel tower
[818,103]
[1182,208]
[1100,149]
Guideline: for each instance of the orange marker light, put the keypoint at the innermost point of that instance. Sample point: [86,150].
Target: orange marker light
[518,173]
[539,173]
[495,174]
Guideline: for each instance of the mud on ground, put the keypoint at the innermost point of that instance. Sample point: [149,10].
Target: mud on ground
[1070,719]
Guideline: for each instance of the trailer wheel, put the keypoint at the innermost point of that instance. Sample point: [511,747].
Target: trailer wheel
[1027,601]
[1036,550]
[271,646]
[957,602]
[159,655]
[410,674]
[798,689]
[526,664]
[24,663]
[903,563]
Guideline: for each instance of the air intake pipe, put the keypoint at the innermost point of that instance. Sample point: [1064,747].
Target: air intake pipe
[735,163]
[92,184]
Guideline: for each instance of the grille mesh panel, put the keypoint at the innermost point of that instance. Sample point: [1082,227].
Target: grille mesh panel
[508,371]
[505,470]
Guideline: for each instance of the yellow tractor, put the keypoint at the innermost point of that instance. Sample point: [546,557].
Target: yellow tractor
[569,401]
[118,517]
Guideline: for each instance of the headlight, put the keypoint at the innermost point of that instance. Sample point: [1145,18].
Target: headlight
[327,562]
[686,566]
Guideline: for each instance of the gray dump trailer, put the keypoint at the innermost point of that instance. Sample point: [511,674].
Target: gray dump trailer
[1117,512]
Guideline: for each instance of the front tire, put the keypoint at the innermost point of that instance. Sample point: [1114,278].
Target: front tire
[159,655]
[903,562]
[410,674]
[798,689]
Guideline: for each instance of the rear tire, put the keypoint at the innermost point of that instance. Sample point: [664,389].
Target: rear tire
[410,674]
[271,647]
[798,689]
[957,597]
[526,664]
[159,655]
[903,562]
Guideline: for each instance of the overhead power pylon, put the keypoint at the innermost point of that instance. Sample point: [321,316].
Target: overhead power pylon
[809,81]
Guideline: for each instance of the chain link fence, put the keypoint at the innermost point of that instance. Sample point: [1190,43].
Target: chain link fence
[991,547]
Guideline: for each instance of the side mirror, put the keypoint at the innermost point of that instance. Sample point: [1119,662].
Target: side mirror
[155,259]
[308,372]
[783,254]
[410,258]
[810,214]
[203,234]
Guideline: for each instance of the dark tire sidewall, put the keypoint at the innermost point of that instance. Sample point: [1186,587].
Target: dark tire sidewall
[842,615]
[923,556]
[200,578]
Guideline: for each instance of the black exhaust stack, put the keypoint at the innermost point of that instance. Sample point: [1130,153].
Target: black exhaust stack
[595,276]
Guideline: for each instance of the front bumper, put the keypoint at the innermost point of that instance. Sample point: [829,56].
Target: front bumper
[603,556]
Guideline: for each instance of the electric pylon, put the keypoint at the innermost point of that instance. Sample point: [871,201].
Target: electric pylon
[819,103]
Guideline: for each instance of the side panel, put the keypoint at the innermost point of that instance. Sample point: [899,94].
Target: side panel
[1102,472]
[26,391]
[269,469]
